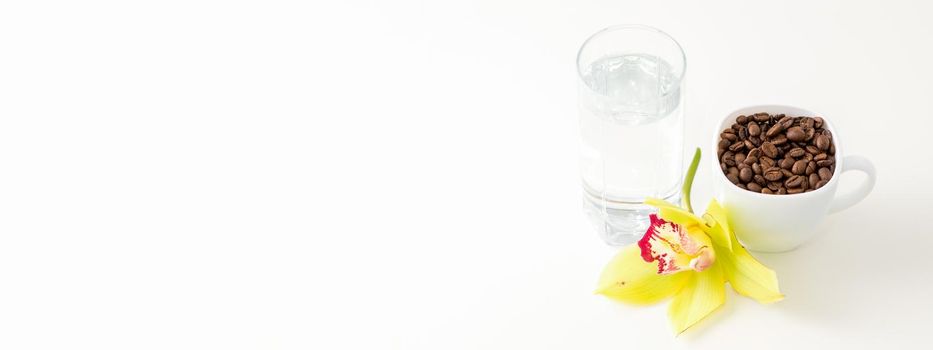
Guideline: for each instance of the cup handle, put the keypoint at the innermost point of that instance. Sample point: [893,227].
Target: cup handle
[849,199]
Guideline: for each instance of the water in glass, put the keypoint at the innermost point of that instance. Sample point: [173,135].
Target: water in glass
[631,124]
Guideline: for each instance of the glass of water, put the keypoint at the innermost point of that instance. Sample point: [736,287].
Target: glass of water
[631,106]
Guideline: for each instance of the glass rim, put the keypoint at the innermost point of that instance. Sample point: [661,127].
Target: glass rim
[683,56]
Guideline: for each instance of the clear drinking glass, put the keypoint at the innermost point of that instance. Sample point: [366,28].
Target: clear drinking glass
[631,103]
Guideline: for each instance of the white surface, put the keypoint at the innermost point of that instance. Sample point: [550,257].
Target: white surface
[264,175]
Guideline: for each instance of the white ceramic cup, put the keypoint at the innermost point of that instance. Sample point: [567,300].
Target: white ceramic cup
[778,223]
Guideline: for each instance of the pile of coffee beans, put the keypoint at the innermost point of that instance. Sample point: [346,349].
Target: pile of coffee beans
[777,154]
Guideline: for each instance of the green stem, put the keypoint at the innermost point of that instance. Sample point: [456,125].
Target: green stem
[688,181]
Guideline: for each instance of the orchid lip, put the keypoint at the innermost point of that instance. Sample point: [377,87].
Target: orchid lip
[673,248]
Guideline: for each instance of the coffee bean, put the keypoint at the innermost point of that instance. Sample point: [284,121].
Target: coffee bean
[741,166]
[754,153]
[743,133]
[739,158]
[755,140]
[808,157]
[786,122]
[745,174]
[749,144]
[754,129]
[767,148]
[796,134]
[756,168]
[762,117]
[779,140]
[811,167]
[723,166]
[796,152]
[813,179]
[825,162]
[812,149]
[734,171]
[760,180]
[774,186]
[728,158]
[818,122]
[832,148]
[822,142]
[737,146]
[794,190]
[766,191]
[820,157]
[766,162]
[773,174]
[732,178]
[751,186]
[799,167]
[821,184]
[742,186]
[787,173]
[774,130]
[825,173]
[723,144]
[786,163]
[793,181]
[741,120]
[810,133]
[782,190]
[807,123]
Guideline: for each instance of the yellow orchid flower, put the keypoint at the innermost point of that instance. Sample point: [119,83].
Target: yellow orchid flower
[688,258]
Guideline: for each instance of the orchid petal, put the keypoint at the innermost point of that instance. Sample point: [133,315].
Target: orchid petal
[701,294]
[674,213]
[630,279]
[717,225]
[748,276]
[658,203]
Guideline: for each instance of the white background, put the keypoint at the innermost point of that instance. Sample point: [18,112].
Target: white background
[403,174]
